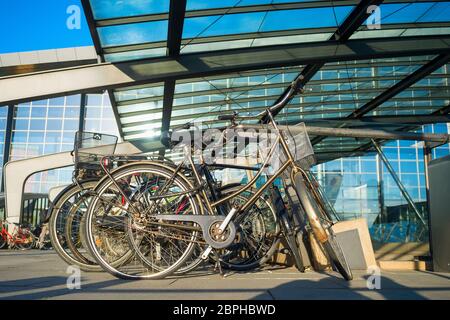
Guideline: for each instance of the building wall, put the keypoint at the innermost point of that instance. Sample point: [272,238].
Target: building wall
[49,126]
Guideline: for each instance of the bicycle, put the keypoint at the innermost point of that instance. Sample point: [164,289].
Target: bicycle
[166,236]
[67,211]
[21,237]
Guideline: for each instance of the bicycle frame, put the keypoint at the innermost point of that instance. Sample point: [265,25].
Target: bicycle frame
[289,163]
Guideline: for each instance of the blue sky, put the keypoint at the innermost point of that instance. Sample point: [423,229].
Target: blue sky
[27,25]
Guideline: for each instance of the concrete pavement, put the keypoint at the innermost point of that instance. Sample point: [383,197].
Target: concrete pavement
[42,275]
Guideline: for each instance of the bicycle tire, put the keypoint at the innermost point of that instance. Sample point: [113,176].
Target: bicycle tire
[103,186]
[31,239]
[286,227]
[291,241]
[3,242]
[266,254]
[69,232]
[323,233]
[57,231]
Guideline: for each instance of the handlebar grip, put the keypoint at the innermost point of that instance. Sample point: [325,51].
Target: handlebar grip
[226,117]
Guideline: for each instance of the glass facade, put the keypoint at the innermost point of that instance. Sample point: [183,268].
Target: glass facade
[363,187]
[49,126]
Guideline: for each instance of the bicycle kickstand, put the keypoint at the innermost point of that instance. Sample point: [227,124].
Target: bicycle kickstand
[218,266]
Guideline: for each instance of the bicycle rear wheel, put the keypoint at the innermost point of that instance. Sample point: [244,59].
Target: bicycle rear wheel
[321,226]
[70,199]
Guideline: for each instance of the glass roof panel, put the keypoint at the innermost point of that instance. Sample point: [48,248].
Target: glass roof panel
[264,21]
[107,9]
[132,94]
[415,12]
[135,55]
[255,42]
[366,34]
[133,33]
[201,4]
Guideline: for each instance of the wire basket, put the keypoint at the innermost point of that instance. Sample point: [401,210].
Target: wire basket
[252,148]
[300,146]
[90,148]
[298,143]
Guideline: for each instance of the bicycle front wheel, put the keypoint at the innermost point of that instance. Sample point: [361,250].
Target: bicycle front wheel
[113,225]
[321,227]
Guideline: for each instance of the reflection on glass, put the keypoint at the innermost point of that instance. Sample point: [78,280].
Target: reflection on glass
[107,9]
[133,33]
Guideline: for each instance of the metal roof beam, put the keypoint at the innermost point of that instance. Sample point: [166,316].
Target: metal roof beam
[354,20]
[400,62]
[278,85]
[16,89]
[414,77]
[442,111]
[175,34]
[408,81]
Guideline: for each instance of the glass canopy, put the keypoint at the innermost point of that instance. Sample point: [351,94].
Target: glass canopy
[407,84]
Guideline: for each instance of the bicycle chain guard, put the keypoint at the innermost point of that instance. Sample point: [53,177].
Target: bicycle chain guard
[207,223]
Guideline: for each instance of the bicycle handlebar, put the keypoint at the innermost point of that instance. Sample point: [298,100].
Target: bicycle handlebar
[293,89]
[227,117]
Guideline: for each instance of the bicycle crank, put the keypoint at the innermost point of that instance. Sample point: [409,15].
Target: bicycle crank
[210,226]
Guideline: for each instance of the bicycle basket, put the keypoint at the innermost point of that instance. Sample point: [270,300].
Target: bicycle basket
[90,147]
[300,146]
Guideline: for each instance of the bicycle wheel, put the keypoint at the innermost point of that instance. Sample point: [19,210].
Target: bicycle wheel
[3,242]
[160,248]
[70,198]
[321,227]
[25,239]
[258,234]
[291,241]
[3,239]
[73,234]
[287,227]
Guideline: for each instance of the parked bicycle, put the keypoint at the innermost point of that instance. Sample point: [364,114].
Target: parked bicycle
[20,237]
[164,214]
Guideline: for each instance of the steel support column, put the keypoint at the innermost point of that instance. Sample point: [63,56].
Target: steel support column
[380,188]
[426,160]
[8,140]
[398,182]
[82,116]
[177,13]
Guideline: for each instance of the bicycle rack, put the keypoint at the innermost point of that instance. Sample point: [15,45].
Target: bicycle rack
[16,173]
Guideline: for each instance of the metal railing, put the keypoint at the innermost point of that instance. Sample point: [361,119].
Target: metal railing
[34,204]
